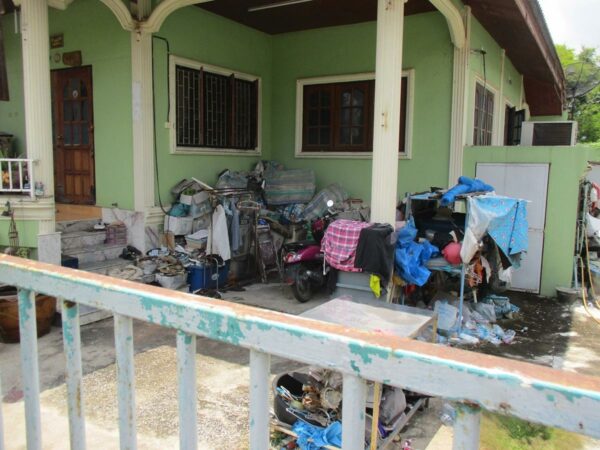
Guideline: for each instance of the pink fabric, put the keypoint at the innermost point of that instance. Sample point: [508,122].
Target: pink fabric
[339,244]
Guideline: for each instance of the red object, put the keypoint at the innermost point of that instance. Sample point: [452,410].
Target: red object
[339,244]
[452,253]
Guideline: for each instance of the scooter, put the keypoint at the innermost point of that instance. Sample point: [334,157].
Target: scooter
[303,261]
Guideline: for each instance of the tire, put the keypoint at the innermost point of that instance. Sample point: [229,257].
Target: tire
[302,287]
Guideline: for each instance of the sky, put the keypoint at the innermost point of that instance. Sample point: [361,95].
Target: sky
[575,23]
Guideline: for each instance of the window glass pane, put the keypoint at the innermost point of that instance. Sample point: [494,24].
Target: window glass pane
[357,136]
[313,136]
[357,116]
[325,99]
[346,97]
[85,105]
[85,134]
[313,100]
[313,117]
[67,134]
[345,136]
[325,136]
[84,92]
[345,116]
[76,110]
[358,97]
[325,117]
[67,111]
[76,135]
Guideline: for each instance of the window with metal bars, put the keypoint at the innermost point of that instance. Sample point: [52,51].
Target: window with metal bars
[484,116]
[215,111]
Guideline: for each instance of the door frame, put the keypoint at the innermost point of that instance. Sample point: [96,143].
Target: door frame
[55,110]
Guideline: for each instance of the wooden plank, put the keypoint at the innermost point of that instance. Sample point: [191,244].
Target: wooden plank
[74,378]
[538,394]
[30,368]
[125,382]
[186,370]
[260,365]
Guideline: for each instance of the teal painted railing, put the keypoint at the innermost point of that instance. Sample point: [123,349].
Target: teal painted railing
[474,381]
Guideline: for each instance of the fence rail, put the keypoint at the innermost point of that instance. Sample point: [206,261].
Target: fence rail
[474,381]
[17,176]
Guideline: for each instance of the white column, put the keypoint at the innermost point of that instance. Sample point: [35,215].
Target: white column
[386,127]
[38,110]
[460,97]
[143,125]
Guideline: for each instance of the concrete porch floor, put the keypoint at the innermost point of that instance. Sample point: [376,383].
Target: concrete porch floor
[548,333]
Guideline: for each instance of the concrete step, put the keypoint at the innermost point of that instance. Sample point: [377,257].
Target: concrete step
[95,253]
[82,239]
[76,225]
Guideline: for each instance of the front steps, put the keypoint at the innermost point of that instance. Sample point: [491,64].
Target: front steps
[80,240]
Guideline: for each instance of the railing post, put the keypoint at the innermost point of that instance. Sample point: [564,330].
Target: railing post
[1,418]
[125,382]
[72,343]
[353,412]
[260,368]
[29,366]
[186,368]
[466,427]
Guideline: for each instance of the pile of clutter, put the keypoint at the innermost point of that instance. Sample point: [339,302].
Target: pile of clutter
[310,402]
[478,322]
[225,220]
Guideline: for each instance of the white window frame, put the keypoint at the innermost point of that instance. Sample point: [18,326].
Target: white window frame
[300,83]
[497,102]
[192,64]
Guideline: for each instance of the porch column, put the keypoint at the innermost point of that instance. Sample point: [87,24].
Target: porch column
[38,111]
[386,128]
[143,124]
[460,96]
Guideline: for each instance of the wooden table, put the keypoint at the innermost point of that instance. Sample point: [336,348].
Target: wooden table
[375,315]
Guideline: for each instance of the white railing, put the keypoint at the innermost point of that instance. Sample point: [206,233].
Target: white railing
[17,176]
[473,381]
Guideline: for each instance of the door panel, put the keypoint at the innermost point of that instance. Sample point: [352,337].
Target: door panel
[73,135]
[529,182]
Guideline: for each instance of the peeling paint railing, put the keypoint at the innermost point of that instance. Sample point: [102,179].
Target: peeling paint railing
[17,176]
[474,381]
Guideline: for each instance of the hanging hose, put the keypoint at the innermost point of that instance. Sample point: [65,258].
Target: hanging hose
[584,297]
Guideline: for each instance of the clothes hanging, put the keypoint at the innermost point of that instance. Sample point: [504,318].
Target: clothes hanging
[218,235]
[375,252]
[340,242]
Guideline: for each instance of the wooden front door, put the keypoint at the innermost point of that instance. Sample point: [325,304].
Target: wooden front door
[73,135]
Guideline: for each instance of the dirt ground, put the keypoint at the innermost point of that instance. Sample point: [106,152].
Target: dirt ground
[548,333]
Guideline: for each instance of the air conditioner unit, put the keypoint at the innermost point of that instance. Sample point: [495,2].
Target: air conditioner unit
[549,133]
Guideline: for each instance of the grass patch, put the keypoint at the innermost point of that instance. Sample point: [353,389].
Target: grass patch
[508,433]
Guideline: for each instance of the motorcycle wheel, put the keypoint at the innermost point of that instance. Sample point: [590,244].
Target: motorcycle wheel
[302,288]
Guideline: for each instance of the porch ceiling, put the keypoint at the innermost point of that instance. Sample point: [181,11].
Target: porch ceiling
[304,16]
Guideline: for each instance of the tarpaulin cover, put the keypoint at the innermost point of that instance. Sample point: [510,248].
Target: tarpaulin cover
[504,219]
[285,187]
[465,185]
[311,437]
[411,257]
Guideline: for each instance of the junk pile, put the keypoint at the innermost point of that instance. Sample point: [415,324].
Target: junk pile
[308,403]
[244,220]
[470,251]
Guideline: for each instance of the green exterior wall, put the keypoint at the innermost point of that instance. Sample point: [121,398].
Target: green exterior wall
[510,84]
[27,229]
[567,165]
[204,37]
[90,27]
[351,49]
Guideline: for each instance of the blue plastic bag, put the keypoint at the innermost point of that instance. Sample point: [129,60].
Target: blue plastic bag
[464,186]
[411,257]
[311,437]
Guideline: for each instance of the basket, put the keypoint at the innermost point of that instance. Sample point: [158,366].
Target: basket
[116,234]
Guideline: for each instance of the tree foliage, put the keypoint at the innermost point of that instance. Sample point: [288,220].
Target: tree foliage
[582,71]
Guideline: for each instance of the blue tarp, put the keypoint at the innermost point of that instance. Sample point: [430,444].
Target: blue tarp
[411,257]
[311,437]
[465,185]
